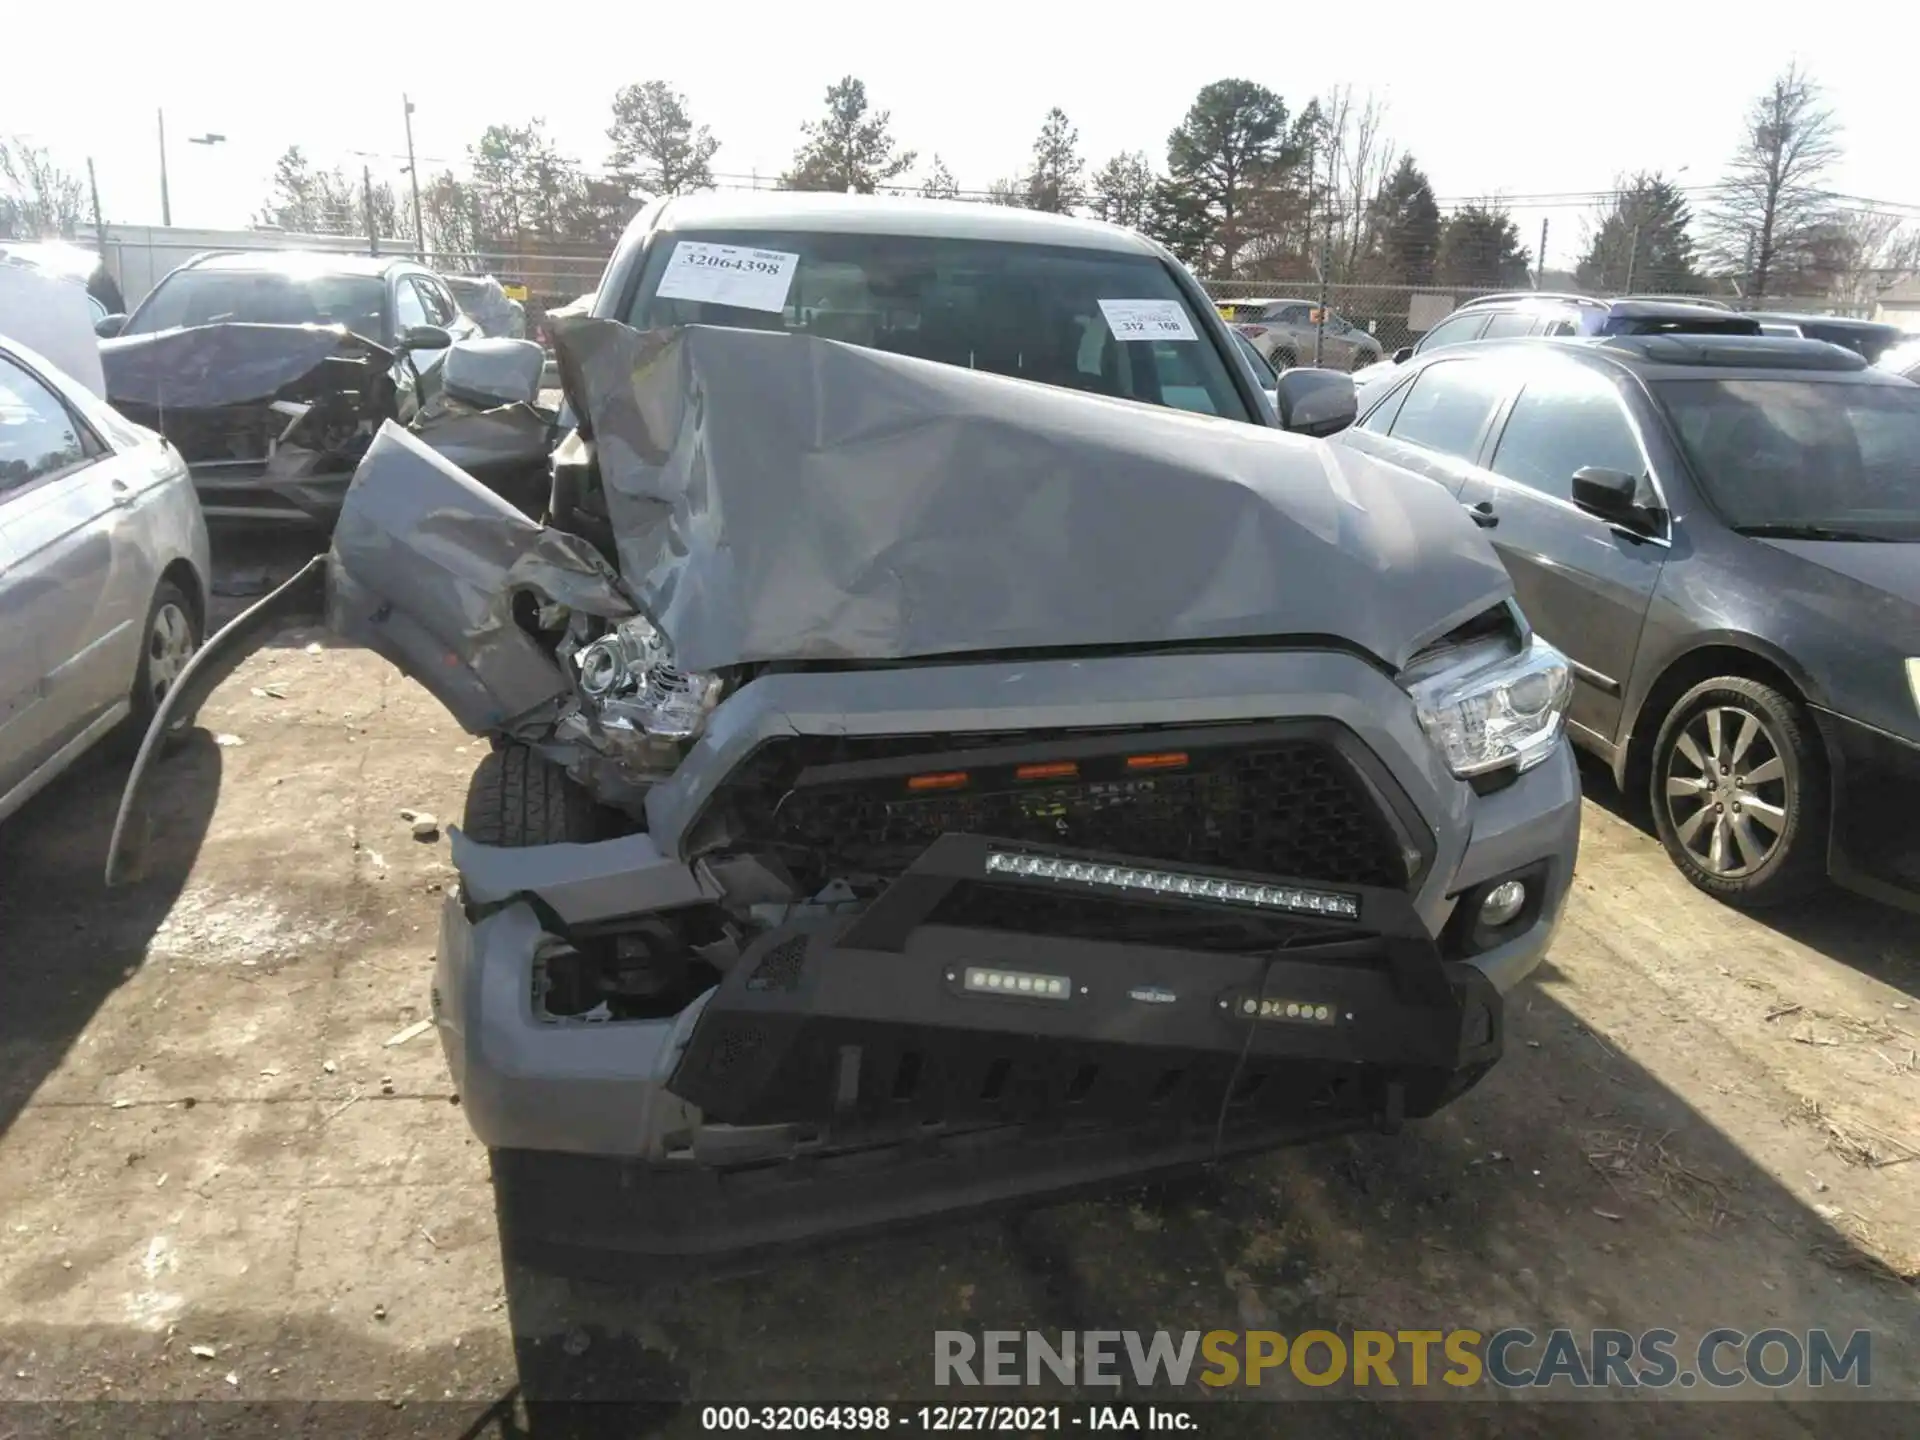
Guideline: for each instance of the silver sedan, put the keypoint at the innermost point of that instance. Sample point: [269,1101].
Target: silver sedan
[103,571]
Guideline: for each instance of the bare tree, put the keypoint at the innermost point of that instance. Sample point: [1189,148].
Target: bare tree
[1771,207]
[1875,252]
[37,197]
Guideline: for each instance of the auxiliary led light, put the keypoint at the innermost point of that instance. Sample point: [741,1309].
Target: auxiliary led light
[1169,882]
[984,981]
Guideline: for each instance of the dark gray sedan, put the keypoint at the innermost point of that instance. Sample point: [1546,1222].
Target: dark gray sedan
[1720,533]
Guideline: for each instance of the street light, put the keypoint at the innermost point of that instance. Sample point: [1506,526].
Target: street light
[166,200]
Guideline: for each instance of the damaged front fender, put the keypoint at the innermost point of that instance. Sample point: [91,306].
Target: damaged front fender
[436,574]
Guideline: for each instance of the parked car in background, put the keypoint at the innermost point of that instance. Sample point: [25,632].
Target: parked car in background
[76,262]
[1902,359]
[103,571]
[271,370]
[1283,331]
[1868,339]
[1524,313]
[1721,533]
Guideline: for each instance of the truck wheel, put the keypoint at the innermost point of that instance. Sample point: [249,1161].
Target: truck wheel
[1285,359]
[1739,793]
[519,798]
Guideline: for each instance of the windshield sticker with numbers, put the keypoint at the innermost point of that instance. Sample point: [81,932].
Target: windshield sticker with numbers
[1147,320]
[728,275]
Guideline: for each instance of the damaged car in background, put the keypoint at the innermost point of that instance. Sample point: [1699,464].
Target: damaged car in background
[271,373]
[944,789]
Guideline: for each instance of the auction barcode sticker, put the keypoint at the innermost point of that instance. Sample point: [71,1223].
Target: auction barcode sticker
[728,275]
[1147,320]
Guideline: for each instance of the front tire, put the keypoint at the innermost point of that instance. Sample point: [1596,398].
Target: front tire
[519,798]
[1739,793]
[1285,359]
[1361,360]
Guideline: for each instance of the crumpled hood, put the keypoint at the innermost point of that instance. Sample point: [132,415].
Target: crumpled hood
[781,497]
[206,366]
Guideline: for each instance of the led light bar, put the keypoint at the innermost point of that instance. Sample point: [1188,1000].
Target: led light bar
[985,981]
[1142,881]
[1307,1011]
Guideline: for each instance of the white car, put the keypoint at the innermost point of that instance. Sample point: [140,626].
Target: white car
[103,571]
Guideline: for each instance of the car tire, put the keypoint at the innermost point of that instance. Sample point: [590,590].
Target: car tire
[1362,359]
[1756,836]
[171,635]
[1284,359]
[519,798]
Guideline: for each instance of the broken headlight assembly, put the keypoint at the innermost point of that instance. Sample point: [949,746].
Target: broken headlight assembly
[628,677]
[1493,702]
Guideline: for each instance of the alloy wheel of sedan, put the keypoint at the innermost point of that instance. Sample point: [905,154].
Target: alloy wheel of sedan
[1727,791]
[170,645]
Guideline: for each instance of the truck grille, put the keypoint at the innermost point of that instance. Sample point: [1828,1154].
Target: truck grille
[1282,807]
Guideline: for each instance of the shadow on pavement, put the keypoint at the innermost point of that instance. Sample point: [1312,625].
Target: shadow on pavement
[1571,1188]
[1877,940]
[66,940]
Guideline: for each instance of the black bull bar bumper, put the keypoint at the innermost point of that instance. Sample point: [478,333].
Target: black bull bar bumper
[858,1081]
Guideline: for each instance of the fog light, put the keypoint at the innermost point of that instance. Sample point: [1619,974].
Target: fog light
[1504,901]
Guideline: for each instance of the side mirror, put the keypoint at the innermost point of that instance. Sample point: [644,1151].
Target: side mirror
[1315,402]
[1614,496]
[425,337]
[108,326]
[1403,354]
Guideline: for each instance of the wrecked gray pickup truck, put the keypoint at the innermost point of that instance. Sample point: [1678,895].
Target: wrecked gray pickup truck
[951,790]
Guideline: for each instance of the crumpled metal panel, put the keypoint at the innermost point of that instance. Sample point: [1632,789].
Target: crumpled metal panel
[782,497]
[206,366]
[426,567]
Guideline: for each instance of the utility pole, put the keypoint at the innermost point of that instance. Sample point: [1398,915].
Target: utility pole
[1633,258]
[166,202]
[373,225]
[99,225]
[1326,260]
[413,174]
[1540,270]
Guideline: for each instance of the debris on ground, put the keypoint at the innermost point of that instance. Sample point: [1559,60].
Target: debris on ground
[328,1066]
[268,692]
[227,742]
[205,1352]
[425,826]
[413,1031]
[314,648]
[242,587]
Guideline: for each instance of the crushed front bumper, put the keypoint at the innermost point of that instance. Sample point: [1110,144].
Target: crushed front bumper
[843,1076]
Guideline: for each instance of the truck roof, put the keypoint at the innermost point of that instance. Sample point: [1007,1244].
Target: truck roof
[777,210]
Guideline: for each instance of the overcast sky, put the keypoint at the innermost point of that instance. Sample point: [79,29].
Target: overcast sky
[1520,100]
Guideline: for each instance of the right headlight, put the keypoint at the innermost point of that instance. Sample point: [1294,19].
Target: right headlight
[1486,708]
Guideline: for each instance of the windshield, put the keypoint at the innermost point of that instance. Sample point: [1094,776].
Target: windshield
[1824,460]
[263,297]
[1269,377]
[1045,313]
